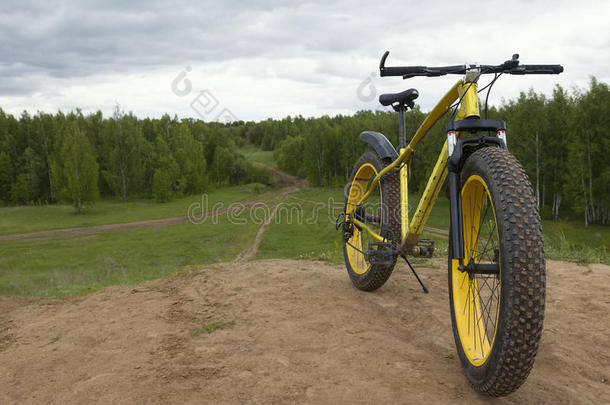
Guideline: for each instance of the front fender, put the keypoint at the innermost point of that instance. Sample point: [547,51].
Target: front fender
[380,144]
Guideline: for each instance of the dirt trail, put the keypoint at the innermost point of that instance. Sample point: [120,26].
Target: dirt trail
[287,331]
[283,179]
[250,251]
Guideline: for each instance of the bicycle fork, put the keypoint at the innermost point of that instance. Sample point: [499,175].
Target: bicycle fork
[454,164]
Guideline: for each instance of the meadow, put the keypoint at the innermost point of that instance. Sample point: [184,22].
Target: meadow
[23,219]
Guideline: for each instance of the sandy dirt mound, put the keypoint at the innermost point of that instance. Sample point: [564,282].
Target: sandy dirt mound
[286,331]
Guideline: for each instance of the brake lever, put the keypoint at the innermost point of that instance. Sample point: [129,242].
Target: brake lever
[511,63]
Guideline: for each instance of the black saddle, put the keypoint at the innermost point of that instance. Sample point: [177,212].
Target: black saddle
[404,97]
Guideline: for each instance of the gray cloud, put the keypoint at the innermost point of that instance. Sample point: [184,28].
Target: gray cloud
[307,56]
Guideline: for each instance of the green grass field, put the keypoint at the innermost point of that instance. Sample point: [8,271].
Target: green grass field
[32,219]
[567,240]
[71,266]
[74,265]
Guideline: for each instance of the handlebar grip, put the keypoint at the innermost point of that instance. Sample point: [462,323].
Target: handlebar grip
[401,70]
[398,70]
[536,69]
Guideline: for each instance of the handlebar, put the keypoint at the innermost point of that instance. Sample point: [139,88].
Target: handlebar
[511,66]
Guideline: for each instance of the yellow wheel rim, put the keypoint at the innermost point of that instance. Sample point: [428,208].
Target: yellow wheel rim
[476,298]
[358,242]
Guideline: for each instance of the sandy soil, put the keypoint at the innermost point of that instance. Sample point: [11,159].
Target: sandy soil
[294,332]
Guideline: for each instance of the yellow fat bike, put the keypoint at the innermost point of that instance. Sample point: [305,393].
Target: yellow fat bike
[496,266]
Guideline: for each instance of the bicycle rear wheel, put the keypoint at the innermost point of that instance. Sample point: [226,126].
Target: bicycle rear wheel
[497,302]
[381,213]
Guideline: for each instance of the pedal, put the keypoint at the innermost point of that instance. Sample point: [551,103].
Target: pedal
[425,247]
[380,253]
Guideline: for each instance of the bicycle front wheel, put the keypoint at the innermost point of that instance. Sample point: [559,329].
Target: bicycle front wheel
[497,301]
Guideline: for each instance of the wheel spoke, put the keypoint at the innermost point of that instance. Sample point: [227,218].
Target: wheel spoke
[464,279]
[478,323]
[488,239]
[468,303]
[481,220]
[477,319]
[485,312]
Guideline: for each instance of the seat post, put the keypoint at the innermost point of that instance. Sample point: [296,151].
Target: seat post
[402,129]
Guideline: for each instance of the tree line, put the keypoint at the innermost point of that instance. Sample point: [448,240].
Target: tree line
[78,158]
[560,140]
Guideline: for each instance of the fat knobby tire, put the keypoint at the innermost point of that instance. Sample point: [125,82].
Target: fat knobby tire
[378,274]
[522,279]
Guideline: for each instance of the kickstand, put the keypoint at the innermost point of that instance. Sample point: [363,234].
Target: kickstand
[415,274]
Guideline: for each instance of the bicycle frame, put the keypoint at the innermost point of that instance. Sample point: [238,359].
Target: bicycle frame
[411,230]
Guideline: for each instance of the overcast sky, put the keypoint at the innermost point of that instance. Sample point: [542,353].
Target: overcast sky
[257,59]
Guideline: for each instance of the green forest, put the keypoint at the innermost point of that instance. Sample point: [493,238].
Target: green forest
[77,158]
[561,139]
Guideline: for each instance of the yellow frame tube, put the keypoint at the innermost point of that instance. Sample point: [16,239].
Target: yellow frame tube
[470,101]
[410,232]
[368,230]
[435,183]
